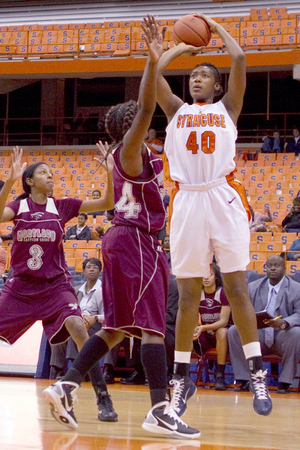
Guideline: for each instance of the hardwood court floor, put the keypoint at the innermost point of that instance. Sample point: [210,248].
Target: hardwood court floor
[226,421]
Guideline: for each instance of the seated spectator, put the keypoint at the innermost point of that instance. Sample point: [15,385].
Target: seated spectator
[81,231]
[97,233]
[291,223]
[214,312]
[272,144]
[91,304]
[96,194]
[109,215]
[156,145]
[258,221]
[280,296]
[293,146]
[295,247]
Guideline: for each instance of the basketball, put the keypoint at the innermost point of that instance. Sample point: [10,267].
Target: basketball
[192,31]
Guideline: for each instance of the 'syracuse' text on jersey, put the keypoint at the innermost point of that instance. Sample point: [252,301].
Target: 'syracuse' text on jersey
[38,236]
[139,200]
[200,143]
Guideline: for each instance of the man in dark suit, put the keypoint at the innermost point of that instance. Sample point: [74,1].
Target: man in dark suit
[280,296]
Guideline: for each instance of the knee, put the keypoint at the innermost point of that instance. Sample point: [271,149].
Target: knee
[76,328]
[221,334]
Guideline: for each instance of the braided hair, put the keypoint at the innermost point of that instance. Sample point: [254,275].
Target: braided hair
[119,119]
[28,174]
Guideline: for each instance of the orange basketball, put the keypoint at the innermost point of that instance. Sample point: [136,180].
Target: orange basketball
[192,31]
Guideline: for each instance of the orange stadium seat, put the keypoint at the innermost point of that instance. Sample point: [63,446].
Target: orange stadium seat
[60,26]
[15,28]
[292,267]
[278,13]
[93,25]
[260,237]
[124,49]
[18,38]
[126,23]
[70,243]
[260,266]
[30,27]
[285,238]
[110,24]
[86,253]
[76,26]
[271,246]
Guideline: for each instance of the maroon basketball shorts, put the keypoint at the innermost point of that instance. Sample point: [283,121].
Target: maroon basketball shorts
[24,300]
[135,281]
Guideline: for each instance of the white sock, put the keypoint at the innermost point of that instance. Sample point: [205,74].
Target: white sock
[252,349]
[182,357]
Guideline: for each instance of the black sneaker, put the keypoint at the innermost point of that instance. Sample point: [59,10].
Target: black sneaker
[105,408]
[109,374]
[60,397]
[183,390]
[135,378]
[220,383]
[162,419]
[262,403]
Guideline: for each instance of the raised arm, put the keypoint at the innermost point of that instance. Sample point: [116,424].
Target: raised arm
[131,158]
[169,102]
[16,171]
[102,204]
[233,99]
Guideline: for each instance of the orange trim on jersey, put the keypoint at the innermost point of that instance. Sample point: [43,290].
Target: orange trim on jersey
[174,191]
[237,185]
[201,104]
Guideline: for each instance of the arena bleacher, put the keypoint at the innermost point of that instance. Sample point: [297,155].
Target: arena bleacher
[86,32]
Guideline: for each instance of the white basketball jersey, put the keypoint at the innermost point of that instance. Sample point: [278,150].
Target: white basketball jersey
[200,143]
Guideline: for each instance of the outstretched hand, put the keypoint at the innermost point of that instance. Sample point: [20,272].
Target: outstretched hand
[17,168]
[108,161]
[189,50]
[153,38]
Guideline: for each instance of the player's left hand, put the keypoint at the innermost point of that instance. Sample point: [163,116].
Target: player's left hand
[153,38]
[108,161]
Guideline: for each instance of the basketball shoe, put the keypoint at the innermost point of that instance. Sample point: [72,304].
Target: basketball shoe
[106,412]
[60,397]
[262,403]
[183,390]
[162,419]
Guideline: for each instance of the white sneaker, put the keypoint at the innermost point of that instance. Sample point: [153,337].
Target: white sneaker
[162,419]
[60,397]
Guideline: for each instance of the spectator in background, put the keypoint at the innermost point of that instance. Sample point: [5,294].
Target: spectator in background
[272,144]
[280,296]
[214,313]
[156,145]
[291,223]
[293,146]
[295,246]
[81,231]
[97,233]
[109,215]
[96,194]
[258,221]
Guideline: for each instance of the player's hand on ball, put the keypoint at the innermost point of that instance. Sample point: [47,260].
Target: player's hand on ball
[211,23]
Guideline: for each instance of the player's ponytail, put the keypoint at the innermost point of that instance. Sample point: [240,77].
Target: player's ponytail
[28,174]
